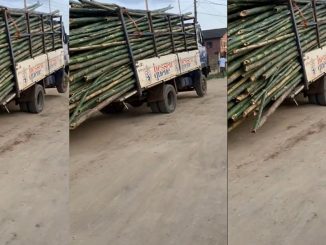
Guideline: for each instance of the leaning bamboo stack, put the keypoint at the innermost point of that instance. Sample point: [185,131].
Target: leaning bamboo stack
[263,57]
[18,30]
[100,65]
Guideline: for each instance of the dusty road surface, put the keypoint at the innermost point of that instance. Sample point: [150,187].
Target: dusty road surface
[140,178]
[277,179]
[34,175]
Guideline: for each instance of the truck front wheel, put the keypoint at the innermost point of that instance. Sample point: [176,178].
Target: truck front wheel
[169,102]
[60,81]
[201,86]
[36,104]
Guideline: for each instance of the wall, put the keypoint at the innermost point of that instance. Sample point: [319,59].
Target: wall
[218,47]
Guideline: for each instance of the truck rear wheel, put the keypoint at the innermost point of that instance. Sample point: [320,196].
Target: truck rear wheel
[321,98]
[36,104]
[154,107]
[321,95]
[201,86]
[113,108]
[136,103]
[60,81]
[313,99]
[23,107]
[169,102]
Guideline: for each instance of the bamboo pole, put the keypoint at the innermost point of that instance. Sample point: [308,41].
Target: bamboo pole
[264,65]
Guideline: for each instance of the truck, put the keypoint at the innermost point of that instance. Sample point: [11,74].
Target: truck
[34,46]
[276,52]
[161,78]
[158,78]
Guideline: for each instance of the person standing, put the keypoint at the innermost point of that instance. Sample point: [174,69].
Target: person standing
[222,64]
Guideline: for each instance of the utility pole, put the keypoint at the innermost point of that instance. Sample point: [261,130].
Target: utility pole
[25,5]
[195,6]
[179,7]
[50,6]
[146,3]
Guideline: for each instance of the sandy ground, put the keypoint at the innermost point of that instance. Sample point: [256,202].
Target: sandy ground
[34,175]
[142,178]
[277,179]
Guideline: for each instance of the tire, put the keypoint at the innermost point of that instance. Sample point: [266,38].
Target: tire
[113,108]
[201,86]
[23,107]
[36,105]
[312,99]
[154,107]
[169,102]
[60,81]
[136,103]
[321,96]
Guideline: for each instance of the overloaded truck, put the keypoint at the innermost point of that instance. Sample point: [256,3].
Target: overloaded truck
[276,50]
[32,57]
[122,56]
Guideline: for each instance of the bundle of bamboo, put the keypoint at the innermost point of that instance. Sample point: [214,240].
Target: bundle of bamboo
[264,65]
[22,46]
[100,64]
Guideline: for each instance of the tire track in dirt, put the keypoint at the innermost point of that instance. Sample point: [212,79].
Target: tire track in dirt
[296,139]
[20,139]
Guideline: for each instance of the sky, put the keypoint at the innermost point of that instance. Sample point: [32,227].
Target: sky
[211,13]
[61,5]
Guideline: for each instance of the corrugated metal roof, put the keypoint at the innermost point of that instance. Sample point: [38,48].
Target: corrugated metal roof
[214,33]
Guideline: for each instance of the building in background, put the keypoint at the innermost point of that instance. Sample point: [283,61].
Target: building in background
[215,41]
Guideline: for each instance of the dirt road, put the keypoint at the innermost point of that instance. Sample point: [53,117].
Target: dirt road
[34,175]
[277,179]
[140,178]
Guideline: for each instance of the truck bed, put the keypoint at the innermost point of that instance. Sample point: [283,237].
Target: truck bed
[102,66]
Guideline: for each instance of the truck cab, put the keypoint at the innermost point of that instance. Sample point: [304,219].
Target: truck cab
[202,51]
